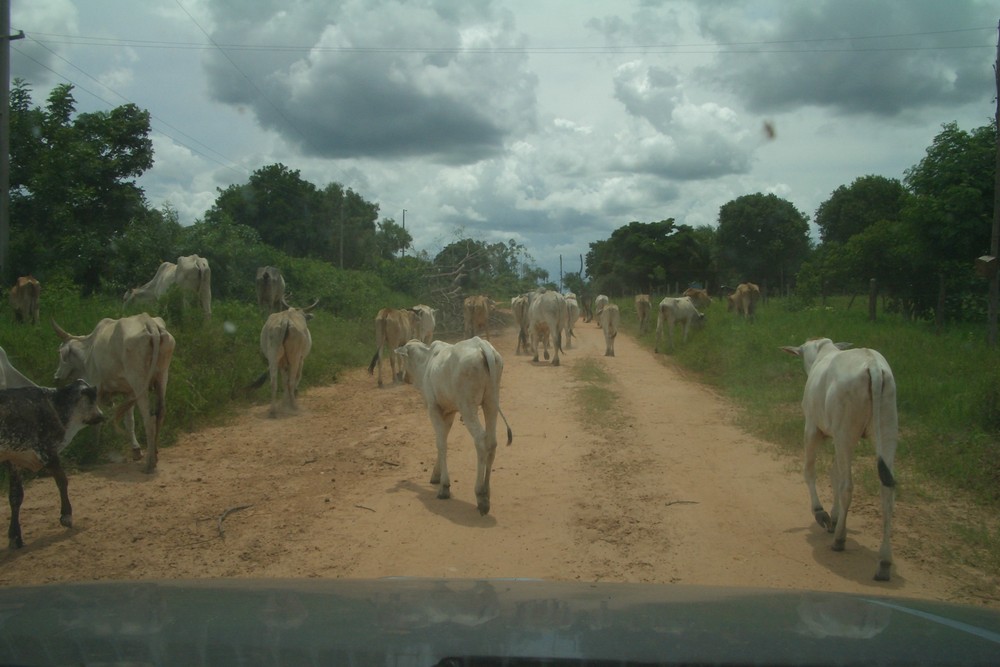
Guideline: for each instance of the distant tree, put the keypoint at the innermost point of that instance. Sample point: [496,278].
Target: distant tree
[852,209]
[650,256]
[391,239]
[761,237]
[73,183]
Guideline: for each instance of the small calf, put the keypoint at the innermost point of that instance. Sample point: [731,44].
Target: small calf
[460,379]
[36,424]
[849,395]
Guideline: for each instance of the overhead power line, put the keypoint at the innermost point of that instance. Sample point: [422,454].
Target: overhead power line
[221,160]
[809,45]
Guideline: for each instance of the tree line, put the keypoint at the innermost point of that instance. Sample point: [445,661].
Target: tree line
[918,238]
[78,215]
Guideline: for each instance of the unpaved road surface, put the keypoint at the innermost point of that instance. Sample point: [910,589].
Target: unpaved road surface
[666,489]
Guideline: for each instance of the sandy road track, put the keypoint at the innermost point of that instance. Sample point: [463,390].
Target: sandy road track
[668,491]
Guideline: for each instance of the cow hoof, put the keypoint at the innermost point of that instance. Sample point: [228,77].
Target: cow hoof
[483,509]
[555,362]
[883,571]
[823,519]
[150,467]
[444,493]
[546,356]
[15,542]
[838,545]
[66,520]
[136,454]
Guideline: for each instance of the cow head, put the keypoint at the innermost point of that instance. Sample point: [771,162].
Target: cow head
[71,354]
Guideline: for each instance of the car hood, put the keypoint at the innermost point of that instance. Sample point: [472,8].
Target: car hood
[402,621]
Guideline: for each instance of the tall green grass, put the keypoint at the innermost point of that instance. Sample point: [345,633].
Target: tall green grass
[948,384]
[213,364]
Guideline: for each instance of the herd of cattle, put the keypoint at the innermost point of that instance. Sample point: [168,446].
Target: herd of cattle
[849,394]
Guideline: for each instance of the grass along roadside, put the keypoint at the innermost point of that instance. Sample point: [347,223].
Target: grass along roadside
[948,460]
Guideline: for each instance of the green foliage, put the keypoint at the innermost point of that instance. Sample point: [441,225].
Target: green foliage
[852,209]
[762,239]
[72,184]
[301,220]
[643,257]
[213,364]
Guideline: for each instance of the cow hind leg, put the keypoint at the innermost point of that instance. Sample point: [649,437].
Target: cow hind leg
[15,495]
[813,438]
[442,426]
[843,493]
[486,447]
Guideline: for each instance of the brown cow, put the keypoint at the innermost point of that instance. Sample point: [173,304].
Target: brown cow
[699,297]
[744,300]
[477,311]
[24,299]
[393,328]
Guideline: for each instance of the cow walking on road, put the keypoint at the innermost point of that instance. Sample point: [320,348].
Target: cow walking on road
[285,342]
[460,379]
[36,425]
[131,357]
[393,327]
[849,395]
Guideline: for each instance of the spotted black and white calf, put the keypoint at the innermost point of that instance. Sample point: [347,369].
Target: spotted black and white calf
[36,424]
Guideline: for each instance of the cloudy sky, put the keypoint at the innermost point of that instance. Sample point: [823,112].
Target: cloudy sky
[550,122]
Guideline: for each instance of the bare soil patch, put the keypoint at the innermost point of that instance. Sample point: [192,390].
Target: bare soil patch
[666,490]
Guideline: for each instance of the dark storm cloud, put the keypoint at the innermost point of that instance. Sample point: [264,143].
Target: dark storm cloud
[853,56]
[381,79]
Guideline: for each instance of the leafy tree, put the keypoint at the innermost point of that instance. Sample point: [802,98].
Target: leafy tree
[950,216]
[852,209]
[640,257]
[72,183]
[761,238]
[391,239]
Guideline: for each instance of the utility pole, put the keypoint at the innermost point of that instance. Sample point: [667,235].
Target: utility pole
[6,38]
[991,337]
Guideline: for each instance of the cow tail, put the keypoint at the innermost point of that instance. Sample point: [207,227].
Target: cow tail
[491,364]
[153,331]
[876,383]
[379,340]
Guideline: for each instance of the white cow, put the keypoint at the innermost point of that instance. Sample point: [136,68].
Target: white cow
[546,319]
[610,320]
[459,379]
[673,310]
[130,356]
[572,315]
[600,301]
[270,289]
[10,377]
[423,323]
[519,307]
[285,342]
[190,273]
[849,395]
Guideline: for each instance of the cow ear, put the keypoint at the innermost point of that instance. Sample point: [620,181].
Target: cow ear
[797,351]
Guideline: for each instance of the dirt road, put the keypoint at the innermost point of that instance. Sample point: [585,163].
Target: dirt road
[668,491]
